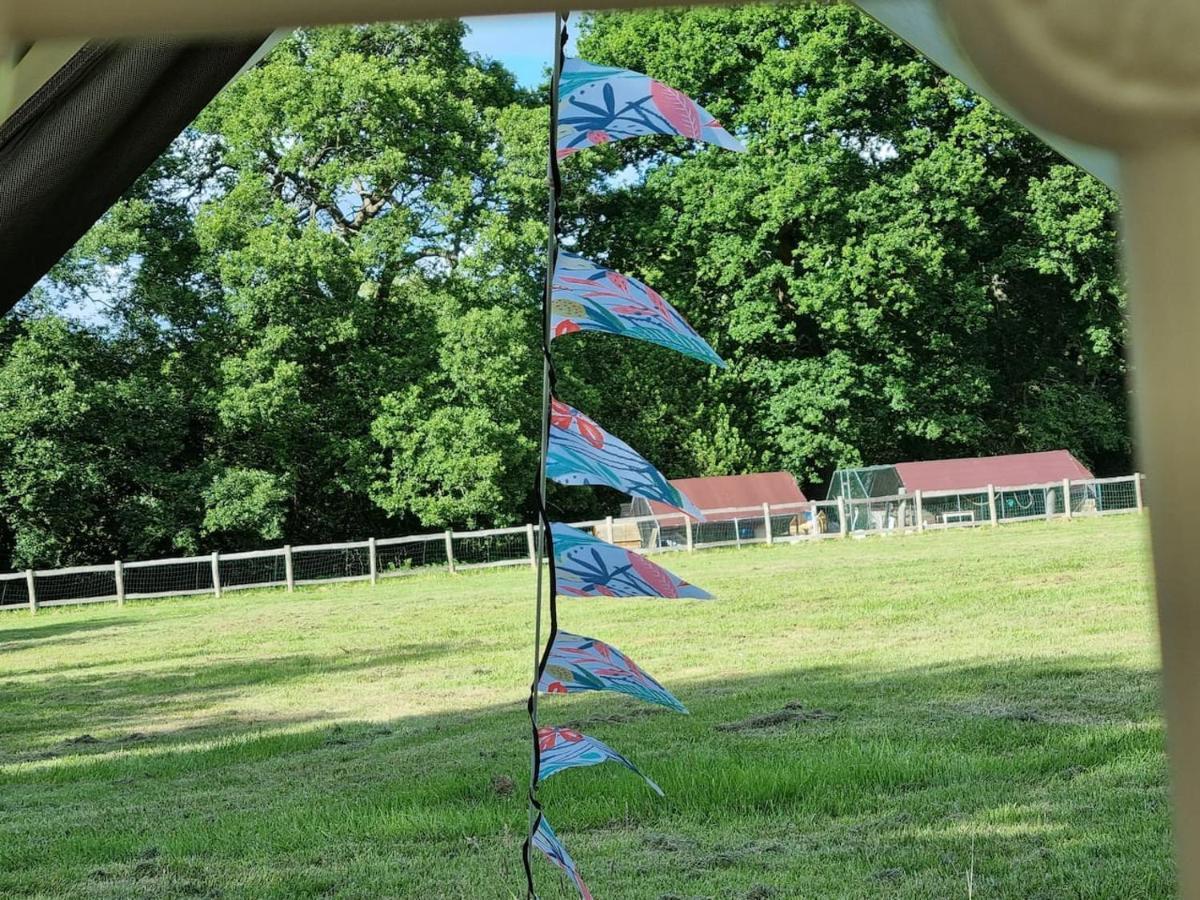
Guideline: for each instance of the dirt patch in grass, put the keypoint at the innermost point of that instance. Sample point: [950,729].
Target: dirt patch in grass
[793,713]
[613,718]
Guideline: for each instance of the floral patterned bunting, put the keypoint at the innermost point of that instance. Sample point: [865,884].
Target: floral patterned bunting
[588,297]
[547,841]
[564,748]
[585,566]
[598,104]
[579,664]
[581,452]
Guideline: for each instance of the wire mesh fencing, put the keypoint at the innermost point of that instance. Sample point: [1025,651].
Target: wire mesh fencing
[322,562]
[14,592]
[168,577]
[495,547]
[370,560]
[409,555]
[81,584]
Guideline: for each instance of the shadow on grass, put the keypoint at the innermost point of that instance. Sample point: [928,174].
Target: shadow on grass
[41,709]
[51,632]
[1040,778]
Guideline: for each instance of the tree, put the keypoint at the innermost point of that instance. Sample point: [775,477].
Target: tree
[895,270]
[89,451]
[317,316]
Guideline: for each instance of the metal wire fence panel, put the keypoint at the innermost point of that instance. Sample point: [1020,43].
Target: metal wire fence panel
[826,518]
[13,591]
[715,534]
[956,510]
[1113,495]
[666,533]
[881,513]
[502,547]
[344,562]
[406,555]
[1055,503]
[789,520]
[168,578]
[1083,499]
[781,523]
[731,527]
[243,570]
[1014,504]
[75,585]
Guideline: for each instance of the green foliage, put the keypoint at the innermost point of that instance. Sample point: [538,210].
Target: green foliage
[895,270]
[89,450]
[316,317]
[247,502]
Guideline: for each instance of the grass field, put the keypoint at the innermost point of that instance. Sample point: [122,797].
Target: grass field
[949,715]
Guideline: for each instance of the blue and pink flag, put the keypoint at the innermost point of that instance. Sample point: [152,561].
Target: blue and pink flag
[547,841]
[578,664]
[599,104]
[565,748]
[588,297]
[585,566]
[581,452]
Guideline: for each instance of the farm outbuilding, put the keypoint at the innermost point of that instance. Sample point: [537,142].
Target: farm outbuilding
[1026,485]
[732,506]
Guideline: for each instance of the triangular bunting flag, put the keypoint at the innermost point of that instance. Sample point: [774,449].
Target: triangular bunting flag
[598,104]
[588,297]
[595,105]
[578,664]
[547,841]
[585,566]
[564,748]
[581,452]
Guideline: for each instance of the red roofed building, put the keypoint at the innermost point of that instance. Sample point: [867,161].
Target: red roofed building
[1010,470]
[962,485]
[721,497]
[733,499]
[970,473]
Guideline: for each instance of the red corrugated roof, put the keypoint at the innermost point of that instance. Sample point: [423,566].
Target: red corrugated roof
[734,492]
[1000,471]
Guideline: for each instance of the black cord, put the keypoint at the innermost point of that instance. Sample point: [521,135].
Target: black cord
[540,484]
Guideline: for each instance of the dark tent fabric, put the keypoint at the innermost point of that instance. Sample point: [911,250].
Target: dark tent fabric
[70,150]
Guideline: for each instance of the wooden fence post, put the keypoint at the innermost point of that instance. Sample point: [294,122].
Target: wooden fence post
[608,529]
[920,510]
[843,525]
[31,587]
[216,573]
[450,551]
[992,505]
[687,524]
[119,581]
[1067,497]
[532,545]
[1137,490]
[767,522]
[289,574]
[373,560]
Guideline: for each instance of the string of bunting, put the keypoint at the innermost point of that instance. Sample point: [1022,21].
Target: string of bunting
[592,105]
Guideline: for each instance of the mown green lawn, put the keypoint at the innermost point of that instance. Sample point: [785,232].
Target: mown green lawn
[947,715]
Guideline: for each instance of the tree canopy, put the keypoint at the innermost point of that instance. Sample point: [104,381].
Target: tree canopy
[316,317]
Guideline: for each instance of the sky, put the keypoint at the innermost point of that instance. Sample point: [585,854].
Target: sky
[523,43]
